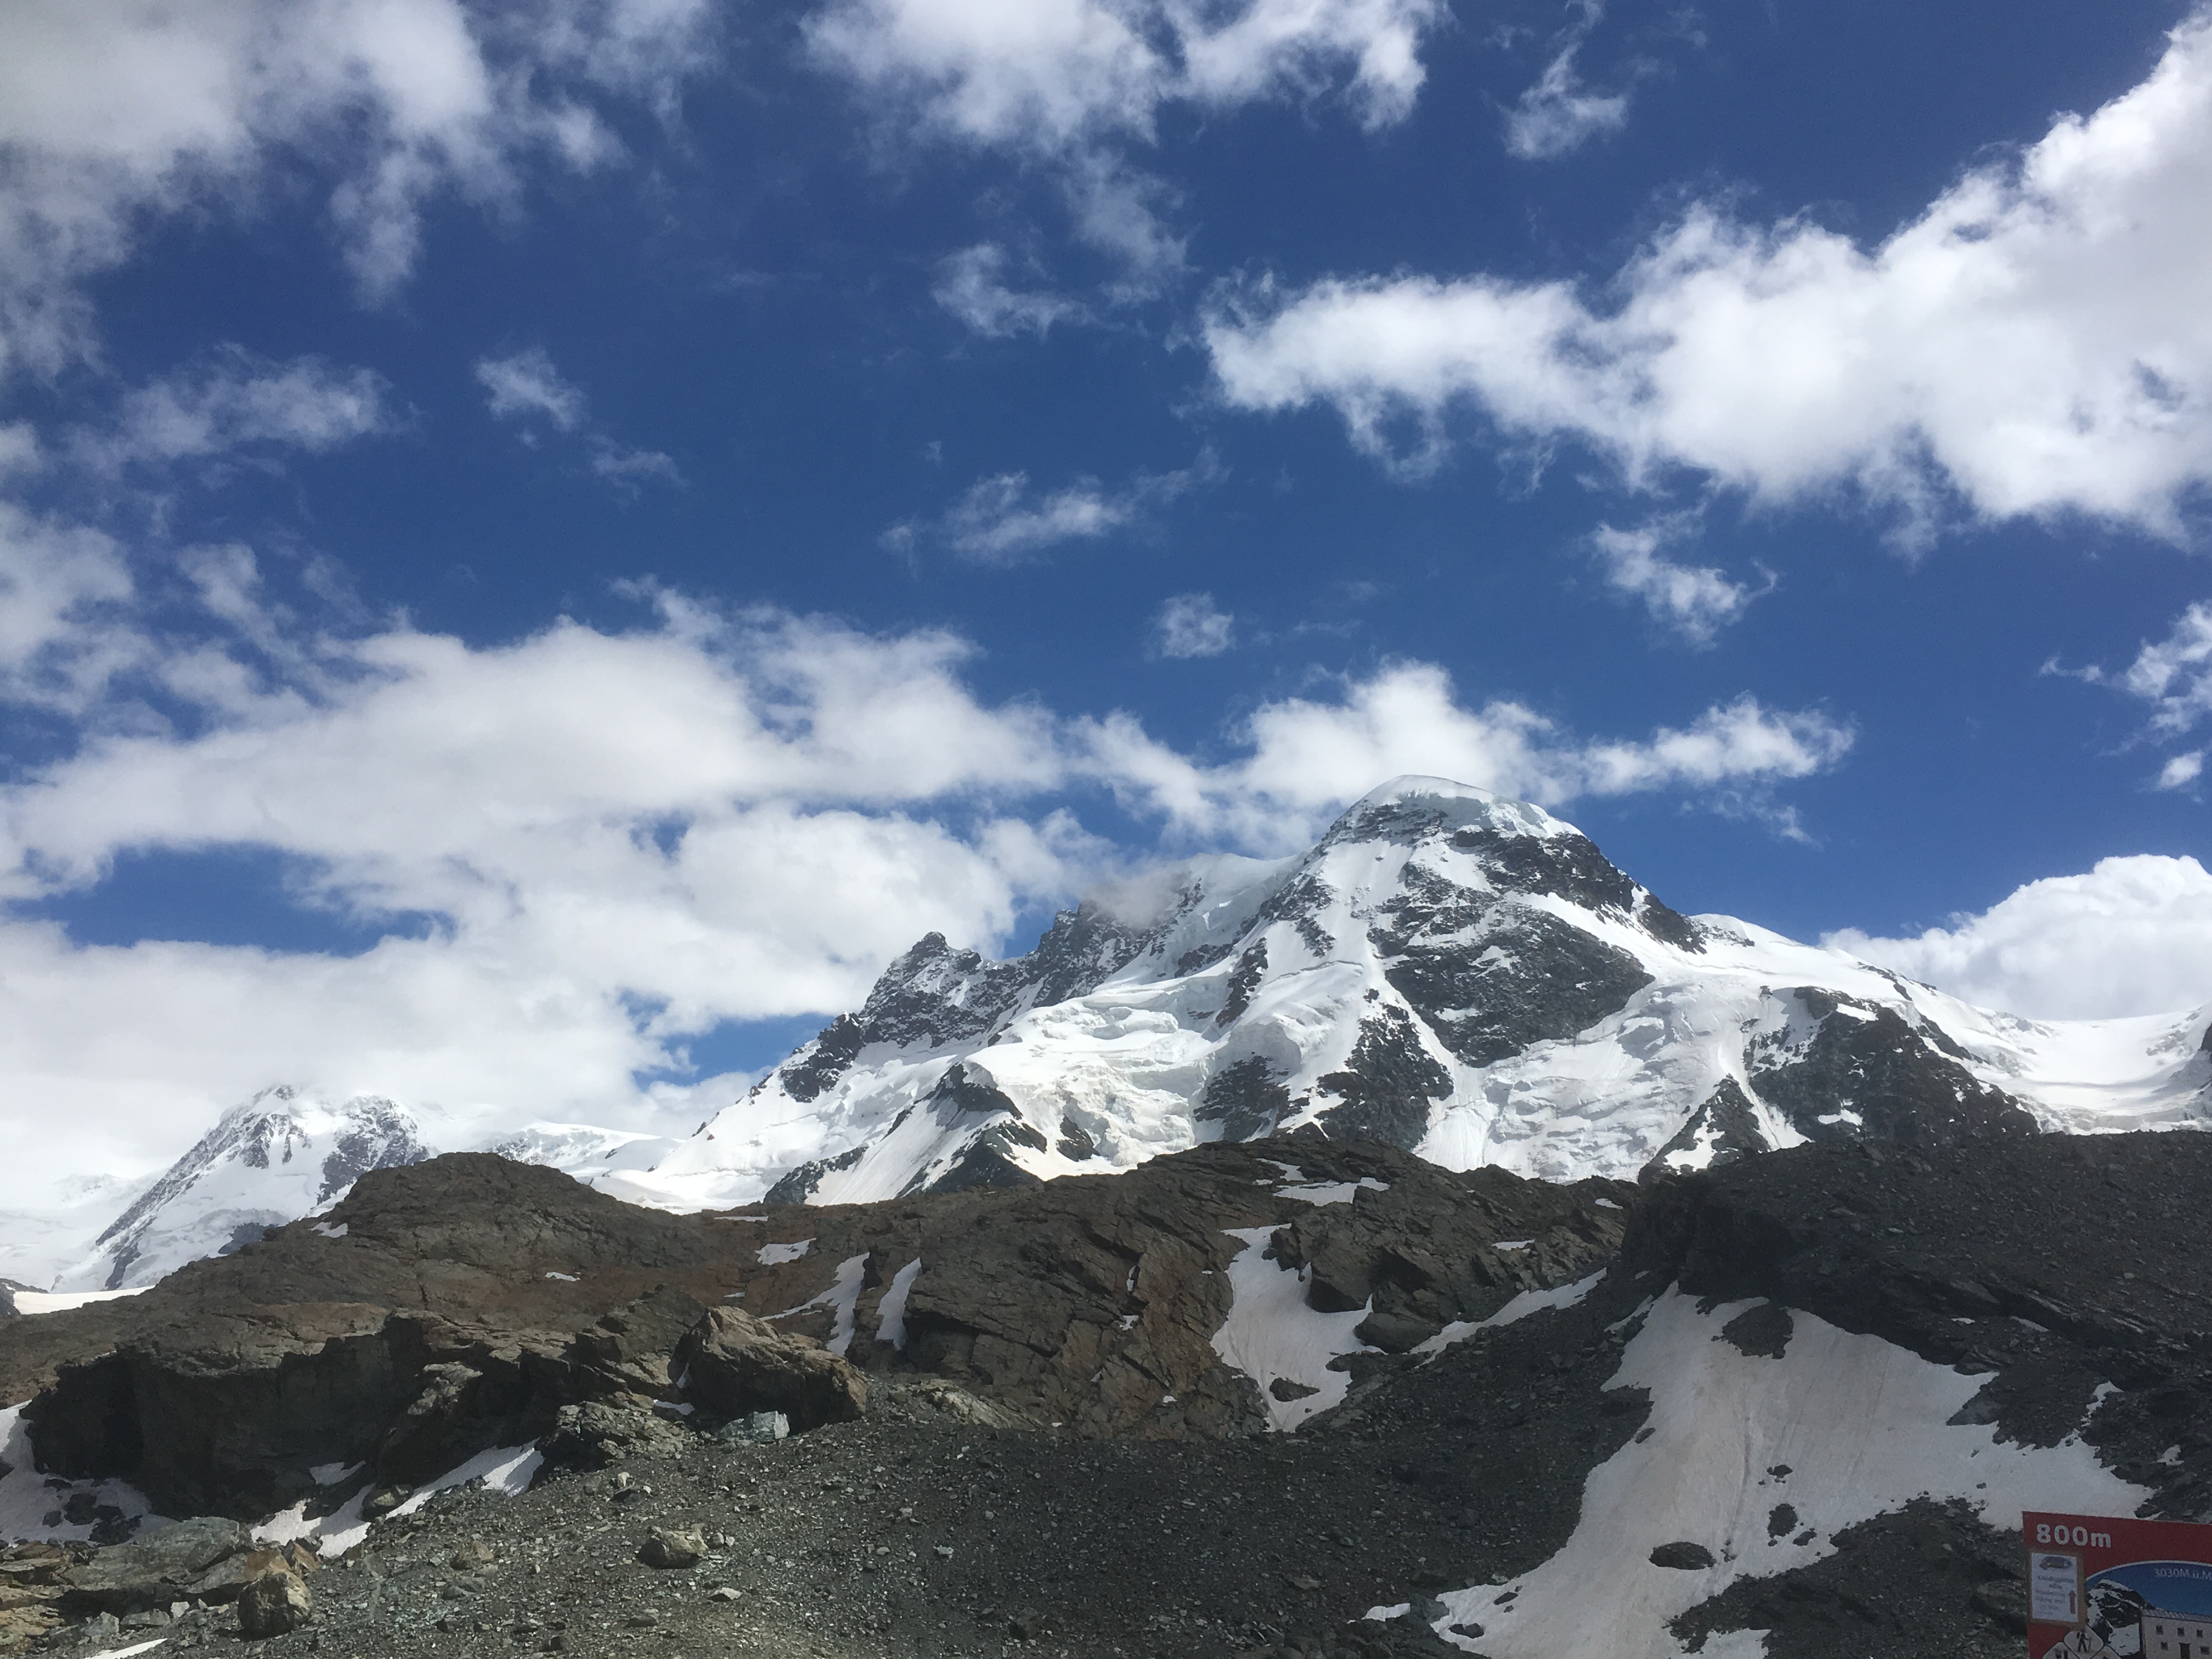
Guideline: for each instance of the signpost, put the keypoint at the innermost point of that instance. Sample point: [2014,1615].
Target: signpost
[2100,1587]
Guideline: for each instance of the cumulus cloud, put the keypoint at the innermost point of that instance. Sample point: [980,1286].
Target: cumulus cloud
[1048,76]
[525,387]
[1558,113]
[1307,756]
[115,115]
[1693,601]
[1074,83]
[587,846]
[1192,625]
[2034,342]
[971,285]
[2133,936]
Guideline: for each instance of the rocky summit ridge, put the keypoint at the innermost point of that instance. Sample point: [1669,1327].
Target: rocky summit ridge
[1449,971]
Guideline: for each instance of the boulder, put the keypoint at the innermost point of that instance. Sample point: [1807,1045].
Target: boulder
[739,1365]
[671,1546]
[274,1604]
[154,1571]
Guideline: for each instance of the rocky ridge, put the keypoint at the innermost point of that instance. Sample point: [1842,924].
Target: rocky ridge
[1501,1354]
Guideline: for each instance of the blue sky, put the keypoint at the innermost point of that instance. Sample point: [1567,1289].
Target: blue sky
[546,542]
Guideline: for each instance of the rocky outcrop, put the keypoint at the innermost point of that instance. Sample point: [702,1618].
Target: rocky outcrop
[563,1316]
[147,1573]
[734,1365]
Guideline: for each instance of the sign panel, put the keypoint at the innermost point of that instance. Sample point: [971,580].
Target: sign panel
[2104,1587]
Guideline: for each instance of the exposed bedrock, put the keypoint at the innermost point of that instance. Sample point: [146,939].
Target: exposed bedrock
[467,1302]
[2049,1262]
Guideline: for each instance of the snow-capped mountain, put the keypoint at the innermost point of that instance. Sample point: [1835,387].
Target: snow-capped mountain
[1460,974]
[1455,973]
[288,1153]
[270,1160]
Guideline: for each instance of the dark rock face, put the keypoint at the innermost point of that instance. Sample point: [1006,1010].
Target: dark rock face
[1684,1557]
[1244,1098]
[1726,1118]
[1866,1061]
[1529,977]
[1243,980]
[1949,1588]
[1423,1251]
[2045,1263]
[1388,1086]
[738,1365]
[797,1184]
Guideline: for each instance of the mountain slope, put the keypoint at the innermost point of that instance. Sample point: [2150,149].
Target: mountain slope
[289,1152]
[1455,973]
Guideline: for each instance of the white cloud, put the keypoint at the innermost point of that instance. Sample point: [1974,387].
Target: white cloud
[2133,936]
[2035,343]
[2182,771]
[234,400]
[61,637]
[526,383]
[1049,76]
[620,838]
[525,386]
[999,521]
[1558,113]
[1694,601]
[1074,83]
[1192,625]
[971,284]
[2174,674]
[1308,757]
[114,114]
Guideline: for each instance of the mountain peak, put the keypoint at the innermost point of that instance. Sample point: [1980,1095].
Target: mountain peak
[1442,805]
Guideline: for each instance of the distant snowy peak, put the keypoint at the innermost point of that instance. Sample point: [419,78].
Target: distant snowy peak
[1448,971]
[269,1161]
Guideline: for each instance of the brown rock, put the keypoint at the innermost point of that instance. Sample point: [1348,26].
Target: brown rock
[275,1603]
[739,1365]
[666,1546]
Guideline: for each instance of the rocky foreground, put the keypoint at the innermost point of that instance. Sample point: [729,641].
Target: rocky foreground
[1035,1442]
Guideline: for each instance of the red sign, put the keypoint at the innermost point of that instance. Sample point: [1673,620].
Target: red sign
[2101,1587]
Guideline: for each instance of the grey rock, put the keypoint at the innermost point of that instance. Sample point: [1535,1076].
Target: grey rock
[1684,1557]
[149,1572]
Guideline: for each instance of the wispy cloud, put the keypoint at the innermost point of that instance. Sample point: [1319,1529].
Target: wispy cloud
[526,386]
[1558,113]
[1694,602]
[971,285]
[1002,519]
[234,400]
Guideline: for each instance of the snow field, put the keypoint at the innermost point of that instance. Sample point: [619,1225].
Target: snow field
[1859,1424]
[1271,1333]
[26,1500]
[843,1297]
